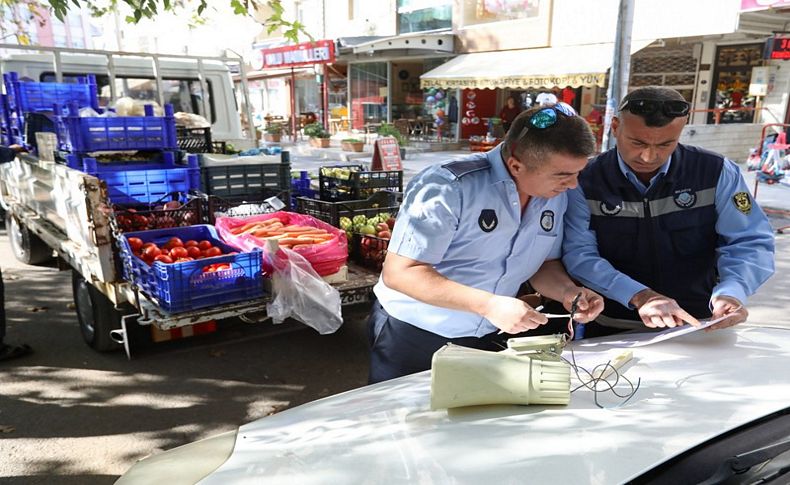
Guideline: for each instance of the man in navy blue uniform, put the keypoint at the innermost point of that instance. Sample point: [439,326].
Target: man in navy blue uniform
[668,233]
[468,234]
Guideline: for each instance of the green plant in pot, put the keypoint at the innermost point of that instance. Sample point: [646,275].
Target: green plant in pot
[352,144]
[319,137]
[273,132]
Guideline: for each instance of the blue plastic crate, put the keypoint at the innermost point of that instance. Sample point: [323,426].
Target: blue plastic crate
[92,134]
[24,96]
[180,287]
[136,183]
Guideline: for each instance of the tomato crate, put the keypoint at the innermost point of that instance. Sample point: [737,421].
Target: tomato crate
[135,182]
[93,134]
[244,207]
[159,215]
[369,251]
[186,286]
[331,212]
[353,182]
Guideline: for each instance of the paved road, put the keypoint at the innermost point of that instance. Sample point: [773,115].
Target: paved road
[71,415]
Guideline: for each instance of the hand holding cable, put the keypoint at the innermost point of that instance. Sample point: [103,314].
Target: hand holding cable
[588,306]
[512,315]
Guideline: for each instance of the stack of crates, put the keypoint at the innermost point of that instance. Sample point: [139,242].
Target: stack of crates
[26,98]
[144,178]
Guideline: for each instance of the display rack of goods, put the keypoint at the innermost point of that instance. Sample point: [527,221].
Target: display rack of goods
[331,212]
[483,143]
[188,268]
[353,182]
[325,247]
[162,215]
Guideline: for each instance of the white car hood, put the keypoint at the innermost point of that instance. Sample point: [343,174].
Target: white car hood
[692,389]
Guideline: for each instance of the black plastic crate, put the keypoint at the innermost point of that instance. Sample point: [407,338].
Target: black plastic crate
[353,182]
[194,140]
[243,207]
[331,212]
[246,180]
[155,216]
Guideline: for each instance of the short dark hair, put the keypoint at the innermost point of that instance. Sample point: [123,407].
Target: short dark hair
[654,93]
[570,135]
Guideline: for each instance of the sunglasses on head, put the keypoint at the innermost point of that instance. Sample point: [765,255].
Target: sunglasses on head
[672,108]
[547,117]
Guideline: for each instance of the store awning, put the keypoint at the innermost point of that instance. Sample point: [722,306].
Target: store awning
[581,65]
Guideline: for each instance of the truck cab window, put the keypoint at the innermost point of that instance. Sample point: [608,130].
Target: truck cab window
[184,94]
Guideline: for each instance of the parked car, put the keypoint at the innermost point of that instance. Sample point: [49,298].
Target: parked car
[703,398]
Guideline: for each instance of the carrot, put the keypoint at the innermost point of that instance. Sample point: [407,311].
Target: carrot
[289,241]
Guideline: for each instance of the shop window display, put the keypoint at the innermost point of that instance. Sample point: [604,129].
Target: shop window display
[731,79]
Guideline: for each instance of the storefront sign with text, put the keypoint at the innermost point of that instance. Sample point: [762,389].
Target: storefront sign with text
[305,54]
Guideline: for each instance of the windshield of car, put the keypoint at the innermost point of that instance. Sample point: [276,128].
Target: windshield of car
[753,453]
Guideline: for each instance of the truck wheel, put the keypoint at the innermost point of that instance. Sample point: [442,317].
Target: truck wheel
[27,247]
[96,314]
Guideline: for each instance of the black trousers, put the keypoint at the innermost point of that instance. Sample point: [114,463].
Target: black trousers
[398,348]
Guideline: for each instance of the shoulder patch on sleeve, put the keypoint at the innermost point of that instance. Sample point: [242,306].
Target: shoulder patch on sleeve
[459,168]
[742,202]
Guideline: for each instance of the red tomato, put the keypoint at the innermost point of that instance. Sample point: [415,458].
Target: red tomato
[135,243]
[190,243]
[205,245]
[179,252]
[184,260]
[148,245]
[193,251]
[174,242]
[164,258]
[223,266]
[151,252]
[211,252]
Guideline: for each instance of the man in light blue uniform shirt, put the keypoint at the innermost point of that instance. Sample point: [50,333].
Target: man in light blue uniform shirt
[668,233]
[468,235]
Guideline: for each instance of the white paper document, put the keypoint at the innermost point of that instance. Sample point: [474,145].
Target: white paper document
[649,338]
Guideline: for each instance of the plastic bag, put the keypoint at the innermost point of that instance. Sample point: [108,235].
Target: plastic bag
[301,294]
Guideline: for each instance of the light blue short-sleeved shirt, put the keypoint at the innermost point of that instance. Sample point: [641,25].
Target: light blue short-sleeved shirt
[464,218]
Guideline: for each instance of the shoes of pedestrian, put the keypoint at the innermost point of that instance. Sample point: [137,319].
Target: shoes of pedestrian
[8,352]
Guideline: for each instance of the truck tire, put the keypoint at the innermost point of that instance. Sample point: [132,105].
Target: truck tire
[96,314]
[27,247]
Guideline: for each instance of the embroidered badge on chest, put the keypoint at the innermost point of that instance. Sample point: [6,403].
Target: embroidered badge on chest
[547,221]
[487,220]
[742,202]
[685,198]
[610,210]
